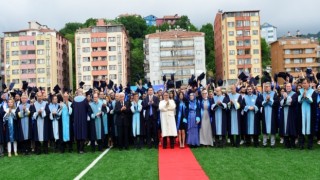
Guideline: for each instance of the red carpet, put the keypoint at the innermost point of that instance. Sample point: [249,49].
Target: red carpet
[179,164]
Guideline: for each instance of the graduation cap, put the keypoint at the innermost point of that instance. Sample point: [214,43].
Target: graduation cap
[266,77]
[178,84]
[201,76]
[220,82]
[32,95]
[81,84]
[164,78]
[172,77]
[110,85]
[11,86]
[120,87]
[13,94]
[96,84]
[318,76]
[103,84]
[4,86]
[56,89]
[254,81]
[257,78]
[66,89]
[283,75]
[128,88]
[308,70]
[170,84]
[275,77]
[41,88]
[149,85]
[89,92]
[24,85]
[242,76]
[35,89]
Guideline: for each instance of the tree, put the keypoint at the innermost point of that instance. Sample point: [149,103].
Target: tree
[265,54]
[209,47]
[137,57]
[184,23]
[90,22]
[136,25]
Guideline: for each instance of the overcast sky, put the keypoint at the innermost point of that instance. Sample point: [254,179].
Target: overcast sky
[287,15]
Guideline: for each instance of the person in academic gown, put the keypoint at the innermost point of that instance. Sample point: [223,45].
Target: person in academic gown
[11,127]
[219,117]
[193,119]
[151,105]
[181,119]
[269,114]
[288,116]
[251,104]
[114,128]
[206,136]
[234,116]
[65,124]
[105,110]
[168,123]
[81,109]
[136,108]
[308,105]
[24,124]
[122,109]
[39,112]
[55,114]
[97,132]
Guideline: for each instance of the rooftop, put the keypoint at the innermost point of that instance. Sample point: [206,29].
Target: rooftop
[175,34]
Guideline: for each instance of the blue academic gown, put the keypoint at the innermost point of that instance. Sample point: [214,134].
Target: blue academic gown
[234,114]
[251,117]
[54,121]
[308,108]
[105,116]
[136,109]
[96,121]
[288,115]
[180,113]
[270,113]
[65,124]
[219,117]
[24,122]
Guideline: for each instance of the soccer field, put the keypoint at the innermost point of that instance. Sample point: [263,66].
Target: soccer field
[227,163]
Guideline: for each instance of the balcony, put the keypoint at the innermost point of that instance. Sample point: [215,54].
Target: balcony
[99,53]
[244,66]
[301,65]
[99,72]
[299,46]
[99,63]
[302,56]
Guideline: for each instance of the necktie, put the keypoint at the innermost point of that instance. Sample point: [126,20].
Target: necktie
[150,113]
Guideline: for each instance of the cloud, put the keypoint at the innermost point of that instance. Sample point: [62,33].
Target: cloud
[284,14]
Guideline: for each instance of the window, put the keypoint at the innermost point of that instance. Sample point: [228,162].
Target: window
[231,52]
[256,70]
[255,32]
[230,24]
[112,58]
[255,23]
[240,52]
[86,59]
[15,62]
[14,44]
[255,42]
[40,42]
[86,68]
[309,60]
[15,71]
[86,49]
[239,33]
[85,40]
[113,76]
[112,67]
[40,80]
[256,61]
[309,51]
[87,78]
[256,51]
[239,43]
[231,33]
[287,51]
[40,61]
[246,42]
[16,81]
[111,39]
[232,61]
[232,71]
[40,51]
[14,53]
[287,61]
[23,43]
[41,70]
[246,23]
[297,51]
[239,23]
[246,33]
[289,70]
[297,61]
[231,43]
[112,48]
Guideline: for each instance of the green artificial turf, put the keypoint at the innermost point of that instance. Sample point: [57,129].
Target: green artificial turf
[126,164]
[51,166]
[259,163]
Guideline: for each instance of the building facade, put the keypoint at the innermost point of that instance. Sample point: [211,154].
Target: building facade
[151,20]
[237,44]
[268,32]
[102,53]
[38,55]
[2,71]
[171,20]
[295,54]
[176,52]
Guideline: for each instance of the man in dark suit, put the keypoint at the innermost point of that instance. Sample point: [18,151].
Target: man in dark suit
[122,109]
[151,106]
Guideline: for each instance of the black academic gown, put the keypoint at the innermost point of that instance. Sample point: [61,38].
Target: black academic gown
[21,137]
[80,108]
[15,129]
[257,127]
[291,128]
[1,125]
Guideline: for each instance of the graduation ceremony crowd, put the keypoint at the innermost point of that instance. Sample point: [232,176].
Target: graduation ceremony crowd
[35,121]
